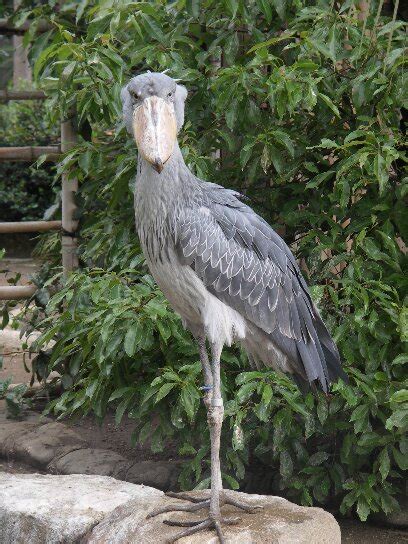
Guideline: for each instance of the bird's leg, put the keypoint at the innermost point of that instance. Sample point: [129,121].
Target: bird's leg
[207,373]
[215,414]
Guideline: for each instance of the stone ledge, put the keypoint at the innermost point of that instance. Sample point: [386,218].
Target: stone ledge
[84,509]
[51,445]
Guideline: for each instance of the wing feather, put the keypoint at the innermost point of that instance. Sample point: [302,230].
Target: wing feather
[244,262]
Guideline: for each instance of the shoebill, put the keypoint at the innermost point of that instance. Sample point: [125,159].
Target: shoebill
[223,269]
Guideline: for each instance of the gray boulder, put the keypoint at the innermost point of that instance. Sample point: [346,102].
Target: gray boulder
[44,509]
[89,461]
[278,522]
[160,474]
[81,509]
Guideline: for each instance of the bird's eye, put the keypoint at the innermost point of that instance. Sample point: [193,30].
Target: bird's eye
[170,94]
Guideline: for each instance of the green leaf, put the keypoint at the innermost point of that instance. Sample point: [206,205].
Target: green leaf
[320,178]
[132,338]
[384,463]
[322,411]
[400,359]
[245,392]
[266,9]
[232,6]
[318,458]
[272,41]
[232,482]
[120,410]
[400,459]
[329,103]
[400,396]
[326,143]
[164,391]
[122,391]
[267,394]
[80,9]
[285,140]
[363,509]
[280,6]
[381,171]
[189,397]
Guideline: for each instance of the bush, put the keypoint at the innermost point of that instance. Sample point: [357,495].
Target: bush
[307,106]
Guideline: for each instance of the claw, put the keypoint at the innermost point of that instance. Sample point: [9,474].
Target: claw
[242,506]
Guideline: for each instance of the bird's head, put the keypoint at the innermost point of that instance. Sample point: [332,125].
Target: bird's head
[153,111]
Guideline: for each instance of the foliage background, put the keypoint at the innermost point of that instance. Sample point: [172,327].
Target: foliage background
[26,192]
[306,100]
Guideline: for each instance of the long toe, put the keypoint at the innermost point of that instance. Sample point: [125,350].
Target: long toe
[178,508]
[249,508]
[220,534]
[181,523]
[206,524]
[183,496]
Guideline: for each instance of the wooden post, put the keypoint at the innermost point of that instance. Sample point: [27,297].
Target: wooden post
[21,66]
[30,153]
[69,188]
[21,95]
[28,226]
[16,292]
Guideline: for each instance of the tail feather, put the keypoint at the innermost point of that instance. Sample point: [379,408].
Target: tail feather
[315,361]
[312,360]
[330,351]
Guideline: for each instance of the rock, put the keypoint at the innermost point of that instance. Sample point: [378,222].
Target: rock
[41,444]
[279,522]
[44,509]
[11,429]
[160,474]
[47,444]
[90,461]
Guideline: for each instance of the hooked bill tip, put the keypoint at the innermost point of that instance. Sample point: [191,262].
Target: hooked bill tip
[158,165]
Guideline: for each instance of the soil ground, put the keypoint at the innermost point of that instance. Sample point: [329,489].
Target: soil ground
[355,532]
[109,436]
[117,438]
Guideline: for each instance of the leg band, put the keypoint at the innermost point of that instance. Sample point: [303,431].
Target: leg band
[206,388]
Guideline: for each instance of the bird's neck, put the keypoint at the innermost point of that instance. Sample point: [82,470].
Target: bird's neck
[157,195]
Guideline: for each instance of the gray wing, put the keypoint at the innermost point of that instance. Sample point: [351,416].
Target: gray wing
[246,264]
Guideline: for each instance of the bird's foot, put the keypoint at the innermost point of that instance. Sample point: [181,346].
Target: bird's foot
[196,504]
[224,499]
[200,525]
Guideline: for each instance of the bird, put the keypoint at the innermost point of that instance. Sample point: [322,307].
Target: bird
[224,270]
